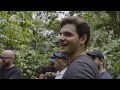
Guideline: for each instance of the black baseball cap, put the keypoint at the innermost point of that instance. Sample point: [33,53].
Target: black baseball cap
[96,53]
[52,59]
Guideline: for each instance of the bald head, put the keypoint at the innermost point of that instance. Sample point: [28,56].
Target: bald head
[8,53]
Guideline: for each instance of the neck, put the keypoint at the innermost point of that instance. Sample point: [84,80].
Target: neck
[62,68]
[76,54]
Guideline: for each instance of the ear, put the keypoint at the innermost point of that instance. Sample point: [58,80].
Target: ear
[83,39]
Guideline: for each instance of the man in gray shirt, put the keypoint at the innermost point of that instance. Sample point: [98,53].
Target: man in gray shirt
[74,36]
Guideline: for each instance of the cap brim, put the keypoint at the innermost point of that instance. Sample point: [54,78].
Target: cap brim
[52,60]
[57,54]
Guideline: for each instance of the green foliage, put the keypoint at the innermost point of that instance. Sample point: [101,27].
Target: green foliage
[25,35]
[15,30]
[33,35]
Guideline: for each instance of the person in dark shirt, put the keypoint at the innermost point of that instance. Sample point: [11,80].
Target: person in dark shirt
[98,58]
[73,39]
[48,71]
[8,70]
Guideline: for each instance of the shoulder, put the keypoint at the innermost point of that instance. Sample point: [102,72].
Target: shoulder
[83,61]
[106,75]
[82,67]
[84,58]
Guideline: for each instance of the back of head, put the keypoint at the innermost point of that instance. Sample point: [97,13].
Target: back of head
[81,26]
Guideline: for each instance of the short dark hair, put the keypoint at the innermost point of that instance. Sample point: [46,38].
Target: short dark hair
[82,26]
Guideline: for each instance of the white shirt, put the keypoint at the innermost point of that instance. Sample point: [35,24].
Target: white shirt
[60,74]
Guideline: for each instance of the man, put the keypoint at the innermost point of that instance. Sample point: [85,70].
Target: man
[98,58]
[8,70]
[61,64]
[74,36]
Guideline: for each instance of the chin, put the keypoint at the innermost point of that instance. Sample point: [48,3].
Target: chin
[63,52]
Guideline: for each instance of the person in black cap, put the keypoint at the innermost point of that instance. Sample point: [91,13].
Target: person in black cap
[98,58]
[61,64]
[46,72]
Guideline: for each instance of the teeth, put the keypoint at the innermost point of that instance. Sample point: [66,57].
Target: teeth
[64,45]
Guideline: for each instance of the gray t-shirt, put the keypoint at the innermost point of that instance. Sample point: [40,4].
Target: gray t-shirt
[82,68]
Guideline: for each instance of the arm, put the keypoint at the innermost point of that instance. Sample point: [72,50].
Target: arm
[42,73]
[34,77]
[42,76]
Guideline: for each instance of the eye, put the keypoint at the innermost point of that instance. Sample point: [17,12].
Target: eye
[68,34]
[60,34]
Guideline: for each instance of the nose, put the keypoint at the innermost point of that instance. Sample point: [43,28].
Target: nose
[61,37]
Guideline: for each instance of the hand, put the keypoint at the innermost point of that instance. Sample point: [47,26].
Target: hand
[53,74]
[33,77]
[42,76]
[48,74]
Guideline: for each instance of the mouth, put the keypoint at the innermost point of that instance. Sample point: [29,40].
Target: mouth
[63,46]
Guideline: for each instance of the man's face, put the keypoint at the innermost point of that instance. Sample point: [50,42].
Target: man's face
[5,60]
[69,39]
[59,63]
